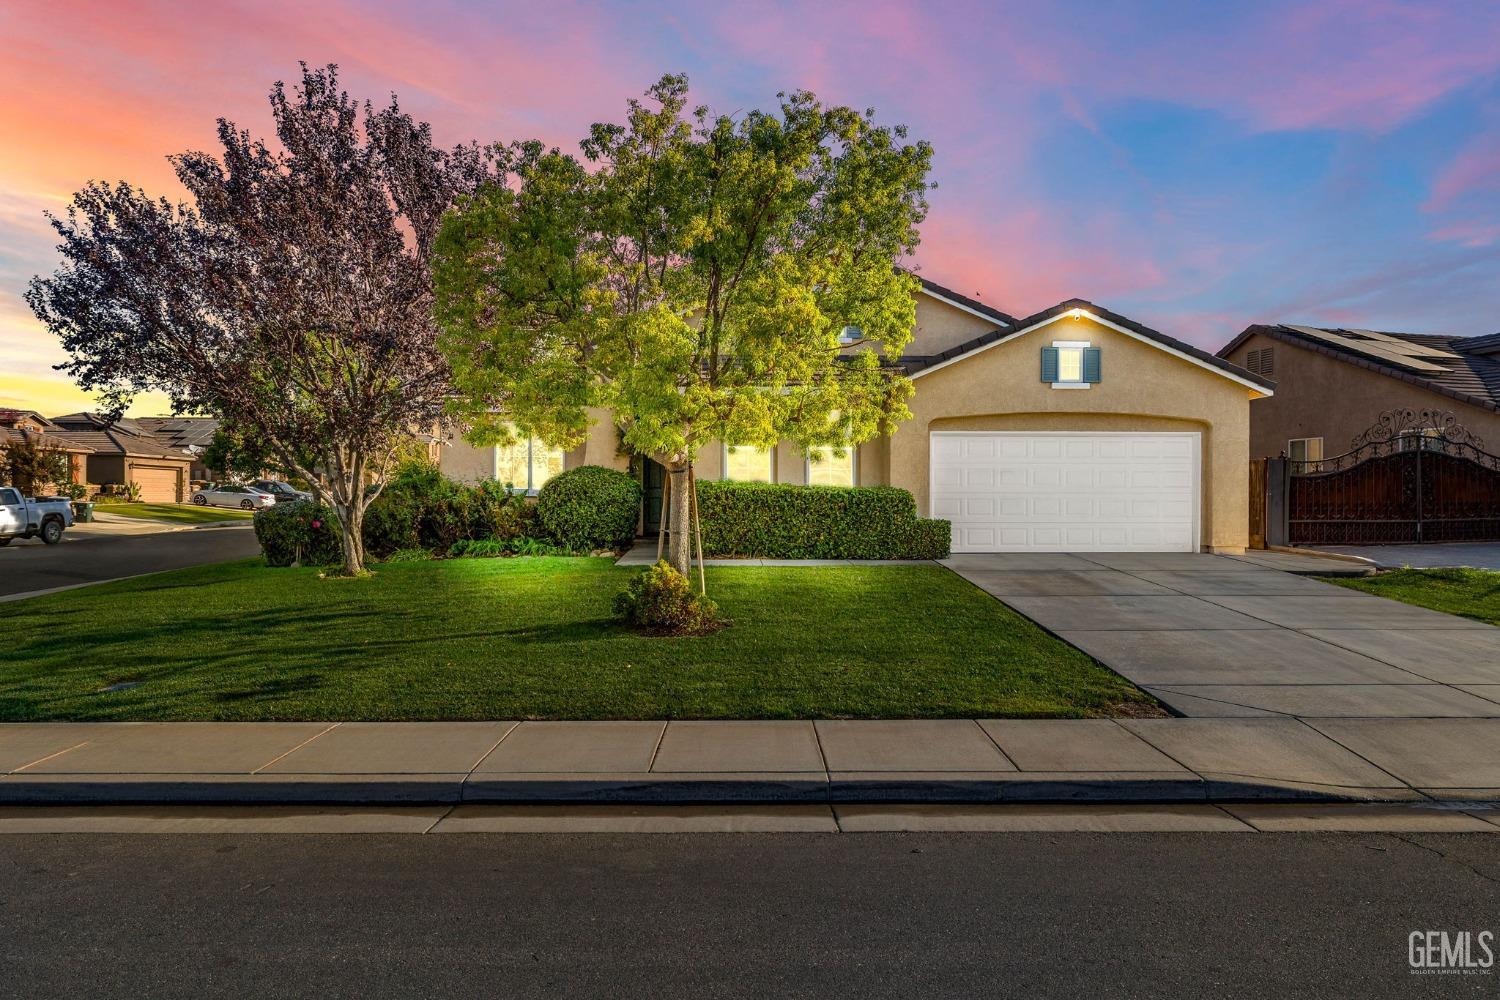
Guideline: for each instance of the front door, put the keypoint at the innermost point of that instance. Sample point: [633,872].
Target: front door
[653,481]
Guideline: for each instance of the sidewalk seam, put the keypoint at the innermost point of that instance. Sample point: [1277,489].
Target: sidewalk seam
[294,749]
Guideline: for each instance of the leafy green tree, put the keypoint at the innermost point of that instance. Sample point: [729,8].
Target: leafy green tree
[692,274]
[28,463]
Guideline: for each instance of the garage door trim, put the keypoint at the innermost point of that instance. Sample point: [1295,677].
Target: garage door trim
[1195,439]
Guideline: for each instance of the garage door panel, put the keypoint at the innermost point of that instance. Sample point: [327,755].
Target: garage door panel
[1086,492]
[158,484]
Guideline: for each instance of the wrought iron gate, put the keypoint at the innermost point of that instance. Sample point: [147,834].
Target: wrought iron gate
[1416,476]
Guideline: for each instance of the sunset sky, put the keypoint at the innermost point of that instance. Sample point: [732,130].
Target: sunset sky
[1196,166]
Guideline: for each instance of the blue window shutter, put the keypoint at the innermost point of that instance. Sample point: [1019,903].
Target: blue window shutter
[1049,364]
[1091,364]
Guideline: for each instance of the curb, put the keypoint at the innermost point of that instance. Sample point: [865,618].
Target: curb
[675,789]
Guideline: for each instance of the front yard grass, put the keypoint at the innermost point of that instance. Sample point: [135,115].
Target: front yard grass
[174,513]
[534,639]
[1472,593]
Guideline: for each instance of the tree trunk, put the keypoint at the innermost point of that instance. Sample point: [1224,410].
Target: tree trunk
[680,523]
[351,523]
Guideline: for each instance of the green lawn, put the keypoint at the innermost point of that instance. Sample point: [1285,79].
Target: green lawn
[176,513]
[533,638]
[1472,593]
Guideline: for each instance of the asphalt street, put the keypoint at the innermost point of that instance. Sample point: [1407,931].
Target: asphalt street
[868,915]
[27,565]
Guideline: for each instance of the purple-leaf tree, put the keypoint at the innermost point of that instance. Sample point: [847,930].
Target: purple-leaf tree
[292,297]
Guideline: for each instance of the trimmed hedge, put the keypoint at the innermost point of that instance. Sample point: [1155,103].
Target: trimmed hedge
[780,521]
[589,508]
[420,508]
[299,532]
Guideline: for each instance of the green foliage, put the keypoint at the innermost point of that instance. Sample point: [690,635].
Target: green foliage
[692,279]
[420,508]
[589,508]
[489,548]
[660,601]
[408,555]
[778,521]
[29,464]
[133,491]
[298,533]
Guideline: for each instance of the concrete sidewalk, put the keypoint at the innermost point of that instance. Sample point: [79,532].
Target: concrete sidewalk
[1148,760]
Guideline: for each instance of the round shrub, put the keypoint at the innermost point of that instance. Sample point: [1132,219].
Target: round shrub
[300,532]
[660,601]
[590,507]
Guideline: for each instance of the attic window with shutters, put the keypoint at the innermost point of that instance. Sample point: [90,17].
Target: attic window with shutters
[1070,364]
[1261,361]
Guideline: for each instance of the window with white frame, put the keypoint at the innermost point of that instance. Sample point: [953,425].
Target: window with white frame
[826,468]
[1305,449]
[1070,364]
[746,464]
[526,464]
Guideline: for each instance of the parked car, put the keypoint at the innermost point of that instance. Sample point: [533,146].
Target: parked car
[283,492]
[29,517]
[230,495]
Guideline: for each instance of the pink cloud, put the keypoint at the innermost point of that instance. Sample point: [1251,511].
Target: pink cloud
[1467,232]
[1475,169]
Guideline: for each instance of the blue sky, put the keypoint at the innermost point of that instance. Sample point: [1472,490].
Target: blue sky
[1195,166]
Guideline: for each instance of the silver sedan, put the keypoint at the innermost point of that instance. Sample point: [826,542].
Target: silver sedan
[243,497]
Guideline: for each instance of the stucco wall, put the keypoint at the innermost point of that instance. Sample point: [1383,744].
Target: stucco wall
[1319,396]
[941,326]
[1143,388]
[469,463]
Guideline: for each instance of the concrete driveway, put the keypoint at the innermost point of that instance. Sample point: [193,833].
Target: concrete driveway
[1479,555]
[1219,636]
[92,557]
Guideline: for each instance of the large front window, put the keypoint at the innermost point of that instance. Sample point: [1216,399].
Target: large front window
[527,463]
[824,468]
[745,464]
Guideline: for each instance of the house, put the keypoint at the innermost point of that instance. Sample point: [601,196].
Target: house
[1071,429]
[1332,384]
[125,452]
[21,425]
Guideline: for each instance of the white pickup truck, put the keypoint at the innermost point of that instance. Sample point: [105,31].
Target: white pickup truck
[28,517]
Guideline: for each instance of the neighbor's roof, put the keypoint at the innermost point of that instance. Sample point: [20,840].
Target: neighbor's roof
[121,437]
[1449,366]
[180,432]
[9,416]
[964,302]
[915,365]
[57,441]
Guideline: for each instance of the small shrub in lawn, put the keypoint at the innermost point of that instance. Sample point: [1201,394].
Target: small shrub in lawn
[590,507]
[661,601]
[780,521]
[300,532]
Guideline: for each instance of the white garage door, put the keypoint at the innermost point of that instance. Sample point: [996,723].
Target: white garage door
[1036,492]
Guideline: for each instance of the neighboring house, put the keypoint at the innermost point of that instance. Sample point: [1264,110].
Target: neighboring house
[28,424]
[1072,429]
[1333,384]
[187,434]
[125,452]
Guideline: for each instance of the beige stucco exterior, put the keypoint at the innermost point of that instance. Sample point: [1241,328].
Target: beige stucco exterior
[1318,396]
[1144,388]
